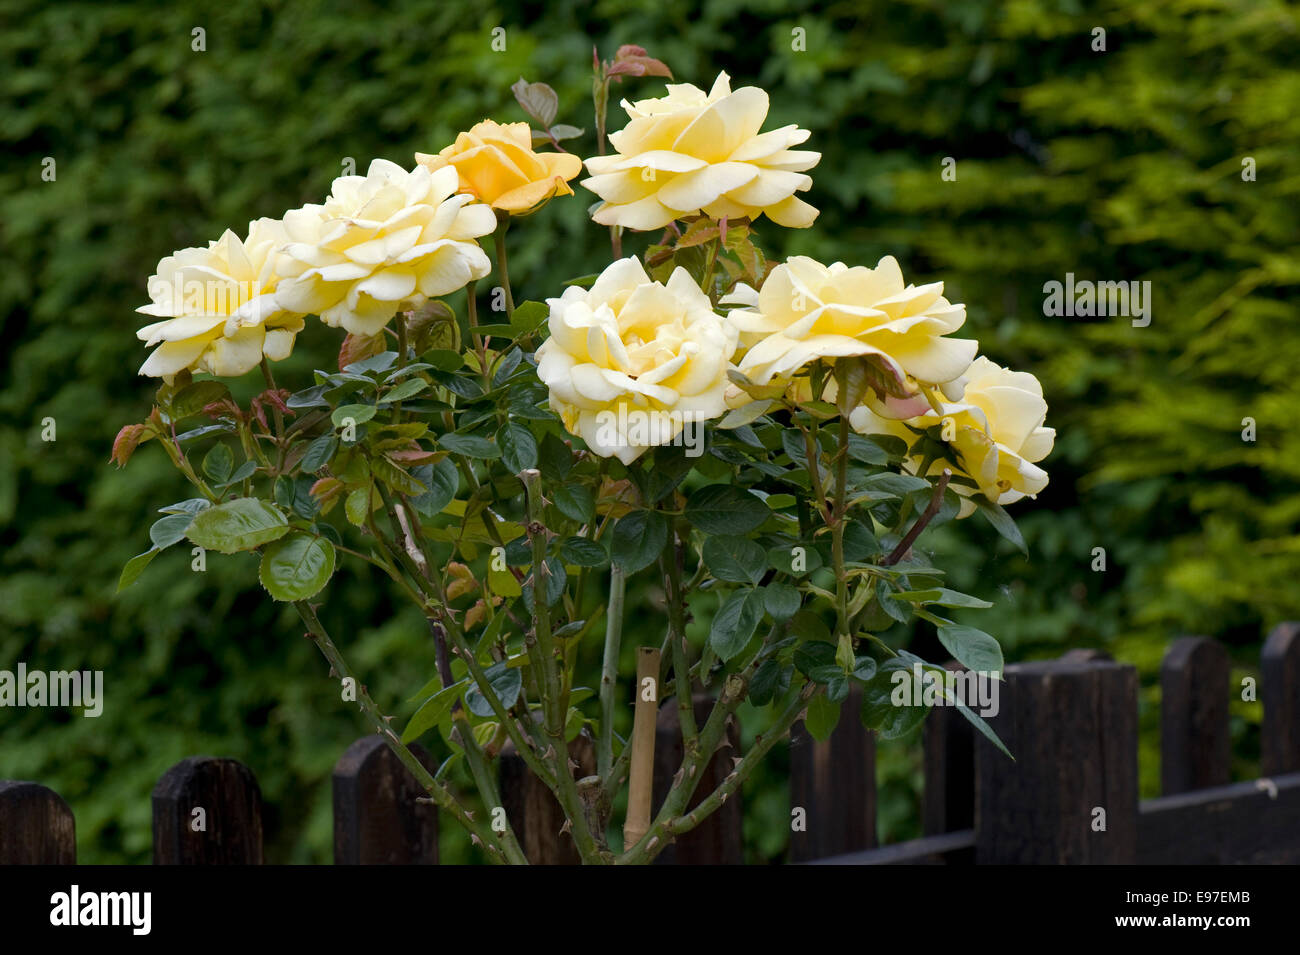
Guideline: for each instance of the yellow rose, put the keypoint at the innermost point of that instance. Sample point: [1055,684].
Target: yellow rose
[497,165]
[691,152]
[219,314]
[807,311]
[383,242]
[995,429]
[632,363]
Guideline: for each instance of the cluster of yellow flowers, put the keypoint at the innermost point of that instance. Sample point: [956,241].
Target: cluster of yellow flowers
[381,243]
[631,343]
[392,239]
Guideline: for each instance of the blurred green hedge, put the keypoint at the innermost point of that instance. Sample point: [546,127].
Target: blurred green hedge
[1117,165]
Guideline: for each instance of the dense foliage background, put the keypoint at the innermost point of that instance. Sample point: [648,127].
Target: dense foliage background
[1117,165]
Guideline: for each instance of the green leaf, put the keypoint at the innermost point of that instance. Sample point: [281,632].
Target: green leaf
[556,458]
[808,625]
[781,600]
[241,524]
[972,648]
[443,481]
[296,567]
[736,559]
[734,623]
[637,539]
[399,479]
[319,453]
[191,506]
[244,471]
[860,543]
[725,509]
[359,414]
[432,712]
[575,502]
[867,451]
[977,721]
[822,717]
[556,578]
[194,397]
[168,530]
[134,568]
[357,505]
[218,463]
[762,687]
[527,316]
[584,552]
[943,597]
[407,389]
[444,359]
[506,681]
[785,558]
[864,668]
[313,397]
[892,483]
[880,711]
[469,446]
[1002,521]
[518,447]
[808,657]
[378,362]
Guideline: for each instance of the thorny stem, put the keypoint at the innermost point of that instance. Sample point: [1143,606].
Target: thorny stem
[837,529]
[277,415]
[733,781]
[936,501]
[471,307]
[503,267]
[671,560]
[553,708]
[437,791]
[811,451]
[609,669]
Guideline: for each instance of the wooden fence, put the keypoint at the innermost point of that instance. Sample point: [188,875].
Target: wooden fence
[1070,795]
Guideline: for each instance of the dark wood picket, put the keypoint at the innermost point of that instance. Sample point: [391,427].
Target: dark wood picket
[1079,712]
[378,818]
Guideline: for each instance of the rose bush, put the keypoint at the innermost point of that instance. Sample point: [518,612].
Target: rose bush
[769,440]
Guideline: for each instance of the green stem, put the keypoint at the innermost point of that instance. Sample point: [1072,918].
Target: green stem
[609,669]
[553,708]
[437,791]
[503,267]
[727,788]
[837,529]
[471,306]
[707,281]
[277,416]
[671,561]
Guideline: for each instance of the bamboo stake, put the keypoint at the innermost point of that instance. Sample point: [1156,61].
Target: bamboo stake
[641,777]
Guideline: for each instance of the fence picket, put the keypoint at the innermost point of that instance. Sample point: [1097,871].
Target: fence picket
[719,839]
[834,782]
[1280,691]
[1195,749]
[36,826]
[1072,728]
[207,811]
[377,820]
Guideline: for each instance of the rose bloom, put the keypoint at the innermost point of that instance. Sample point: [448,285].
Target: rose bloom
[807,311]
[219,314]
[497,165]
[382,243]
[631,363]
[995,429]
[691,152]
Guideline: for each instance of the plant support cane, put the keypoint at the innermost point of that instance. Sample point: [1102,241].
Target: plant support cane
[641,779]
